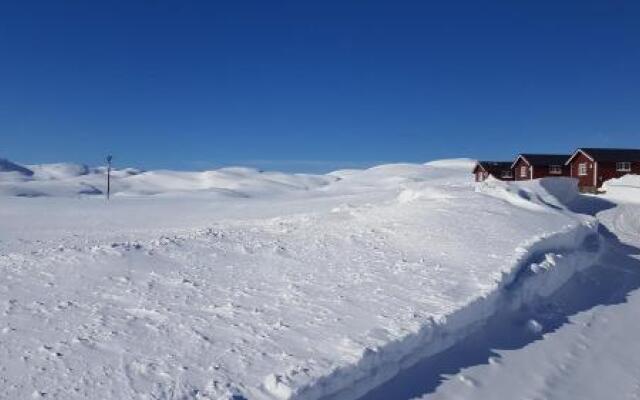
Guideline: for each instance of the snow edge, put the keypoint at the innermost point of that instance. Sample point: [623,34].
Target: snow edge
[541,267]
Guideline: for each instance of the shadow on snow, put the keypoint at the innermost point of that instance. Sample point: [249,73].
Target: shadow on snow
[608,283]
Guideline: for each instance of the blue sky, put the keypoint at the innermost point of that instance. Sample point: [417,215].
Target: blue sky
[313,86]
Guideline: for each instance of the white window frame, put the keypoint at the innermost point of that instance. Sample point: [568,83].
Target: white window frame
[623,166]
[523,171]
[555,169]
[582,169]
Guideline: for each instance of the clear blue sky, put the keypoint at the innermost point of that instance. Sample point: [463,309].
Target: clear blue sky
[313,85]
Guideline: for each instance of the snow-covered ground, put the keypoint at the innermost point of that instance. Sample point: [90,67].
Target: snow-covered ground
[594,353]
[584,344]
[238,283]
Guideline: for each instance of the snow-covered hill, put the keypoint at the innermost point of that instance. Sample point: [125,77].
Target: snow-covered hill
[238,283]
[73,180]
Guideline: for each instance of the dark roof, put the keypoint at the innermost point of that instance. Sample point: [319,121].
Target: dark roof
[494,167]
[495,164]
[546,159]
[612,155]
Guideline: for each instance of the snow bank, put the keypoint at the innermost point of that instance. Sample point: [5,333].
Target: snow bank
[536,195]
[543,266]
[626,188]
[588,348]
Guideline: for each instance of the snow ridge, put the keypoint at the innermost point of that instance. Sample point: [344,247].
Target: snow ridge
[545,264]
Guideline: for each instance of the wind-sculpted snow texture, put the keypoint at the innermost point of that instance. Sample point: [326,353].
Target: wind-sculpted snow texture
[269,286]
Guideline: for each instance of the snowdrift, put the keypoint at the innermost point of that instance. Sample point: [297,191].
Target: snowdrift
[537,194]
[541,266]
[626,188]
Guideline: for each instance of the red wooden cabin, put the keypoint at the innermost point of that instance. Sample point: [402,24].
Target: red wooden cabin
[594,166]
[533,166]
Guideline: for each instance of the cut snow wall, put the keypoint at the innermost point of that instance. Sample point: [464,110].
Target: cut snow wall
[542,267]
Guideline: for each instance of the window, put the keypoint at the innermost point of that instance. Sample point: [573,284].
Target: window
[623,166]
[582,169]
[507,174]
[523,171]
[555,169]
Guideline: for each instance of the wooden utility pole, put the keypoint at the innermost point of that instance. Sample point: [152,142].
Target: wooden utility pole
[109,158]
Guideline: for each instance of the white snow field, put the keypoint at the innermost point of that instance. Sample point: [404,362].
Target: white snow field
[242,284]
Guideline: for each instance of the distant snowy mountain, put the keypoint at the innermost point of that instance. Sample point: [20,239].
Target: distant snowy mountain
[70,180]
[8,166]
[58,171]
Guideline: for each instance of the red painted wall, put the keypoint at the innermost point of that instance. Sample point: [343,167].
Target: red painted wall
[543,171]
[608,171]
[605,171]
[583,181]
[516,170]
[539,171]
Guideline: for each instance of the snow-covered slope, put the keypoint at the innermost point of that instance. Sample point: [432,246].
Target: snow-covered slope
[241,182]
[58,171]
[266,285]
[581,343]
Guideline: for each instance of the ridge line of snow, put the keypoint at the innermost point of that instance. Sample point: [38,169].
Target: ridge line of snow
[540,269]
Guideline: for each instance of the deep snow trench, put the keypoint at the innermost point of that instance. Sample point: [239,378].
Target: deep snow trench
[242,284]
